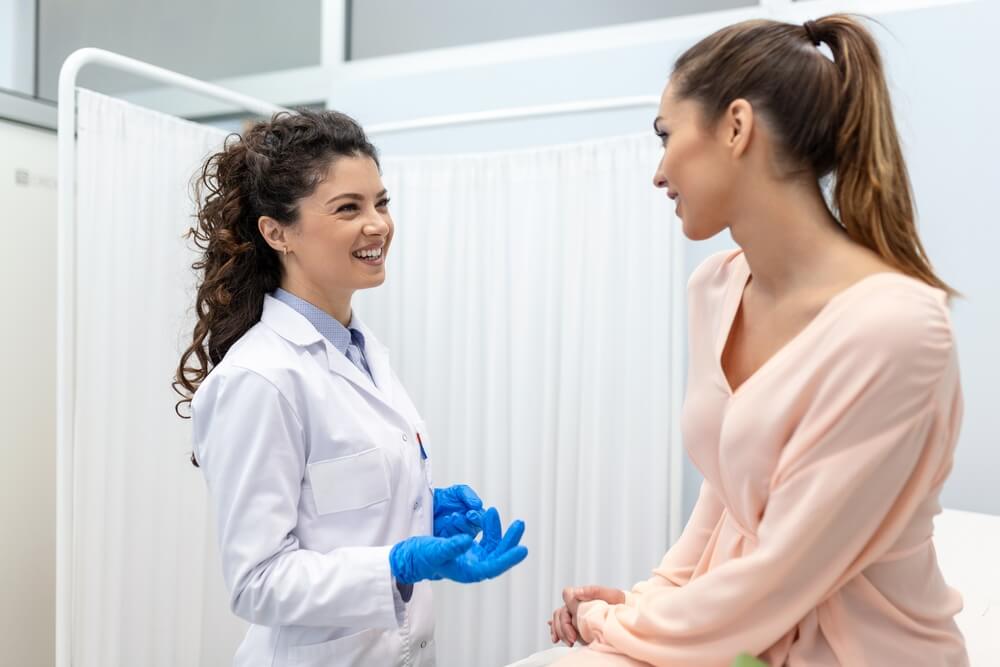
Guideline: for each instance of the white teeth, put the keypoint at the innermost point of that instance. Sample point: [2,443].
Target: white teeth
[369,254]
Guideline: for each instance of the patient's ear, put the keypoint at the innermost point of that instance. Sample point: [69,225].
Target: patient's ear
[737,126]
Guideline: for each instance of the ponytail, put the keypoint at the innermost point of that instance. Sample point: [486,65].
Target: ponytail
[236,266]
[872,191]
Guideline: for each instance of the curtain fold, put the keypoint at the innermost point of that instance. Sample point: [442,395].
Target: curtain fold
[140,524]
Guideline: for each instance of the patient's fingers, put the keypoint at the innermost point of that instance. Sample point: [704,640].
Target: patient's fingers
[568,631]
[567,595]
[556,625]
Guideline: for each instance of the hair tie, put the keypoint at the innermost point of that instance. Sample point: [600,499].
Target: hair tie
[812,30]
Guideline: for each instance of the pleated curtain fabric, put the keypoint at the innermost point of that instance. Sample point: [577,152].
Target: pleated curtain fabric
[142,538]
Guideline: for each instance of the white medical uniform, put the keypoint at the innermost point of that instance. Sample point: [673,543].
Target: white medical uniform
[314,473]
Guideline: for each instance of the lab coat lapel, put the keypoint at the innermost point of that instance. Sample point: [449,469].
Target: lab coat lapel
[341,365]
[378,359]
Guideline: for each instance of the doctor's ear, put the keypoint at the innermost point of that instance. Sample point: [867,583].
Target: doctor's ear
[273,233]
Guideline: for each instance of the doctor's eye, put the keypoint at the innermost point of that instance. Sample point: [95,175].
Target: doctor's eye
[347,208]
[383,203]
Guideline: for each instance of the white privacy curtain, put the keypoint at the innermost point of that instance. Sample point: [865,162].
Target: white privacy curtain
[143,569]
[528,310]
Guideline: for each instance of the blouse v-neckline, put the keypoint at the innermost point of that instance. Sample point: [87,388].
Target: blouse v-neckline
[733,302]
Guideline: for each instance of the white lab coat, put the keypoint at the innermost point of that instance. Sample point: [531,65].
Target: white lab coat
[314,473]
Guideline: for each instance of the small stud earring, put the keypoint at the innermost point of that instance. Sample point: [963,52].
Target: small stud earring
[284,251]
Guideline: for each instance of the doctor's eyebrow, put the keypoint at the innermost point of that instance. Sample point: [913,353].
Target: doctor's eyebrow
[355,196]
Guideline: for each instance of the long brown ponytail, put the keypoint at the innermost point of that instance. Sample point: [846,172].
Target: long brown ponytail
[264,172]
[832,117]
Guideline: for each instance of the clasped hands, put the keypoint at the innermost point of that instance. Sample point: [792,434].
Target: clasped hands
[564,625]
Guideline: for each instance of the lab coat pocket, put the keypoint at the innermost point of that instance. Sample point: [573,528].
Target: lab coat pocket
[350,482]
[361,648]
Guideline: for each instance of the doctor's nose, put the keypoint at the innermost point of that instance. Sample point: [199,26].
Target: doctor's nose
[376,226]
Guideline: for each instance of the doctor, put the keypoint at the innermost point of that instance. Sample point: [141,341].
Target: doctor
[316,460]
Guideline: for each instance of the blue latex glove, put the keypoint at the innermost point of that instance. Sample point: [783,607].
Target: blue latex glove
[457,511]
[459,558]
[494,542]
[419,558]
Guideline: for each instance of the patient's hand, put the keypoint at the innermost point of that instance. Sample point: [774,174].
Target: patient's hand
[563,626]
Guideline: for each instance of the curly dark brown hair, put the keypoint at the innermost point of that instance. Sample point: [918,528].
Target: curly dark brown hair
[266,171]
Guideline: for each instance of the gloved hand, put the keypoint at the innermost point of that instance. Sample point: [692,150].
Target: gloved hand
[457,511]
[459,558]
[494,542]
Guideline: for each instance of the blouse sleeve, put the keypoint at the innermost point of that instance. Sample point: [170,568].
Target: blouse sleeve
[681,560]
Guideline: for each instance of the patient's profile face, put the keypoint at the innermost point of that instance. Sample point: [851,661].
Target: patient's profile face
[696,167]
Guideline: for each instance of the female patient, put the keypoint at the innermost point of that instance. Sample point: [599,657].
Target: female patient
[823,402]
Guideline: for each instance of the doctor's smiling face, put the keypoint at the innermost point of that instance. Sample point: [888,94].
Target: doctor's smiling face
[340,241]
[295,201]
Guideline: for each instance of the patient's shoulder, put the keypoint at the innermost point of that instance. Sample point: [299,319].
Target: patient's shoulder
[716,269]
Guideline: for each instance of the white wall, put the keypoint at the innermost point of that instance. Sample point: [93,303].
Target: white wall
[206,40]
[383,27]
[27,411]
[945,90]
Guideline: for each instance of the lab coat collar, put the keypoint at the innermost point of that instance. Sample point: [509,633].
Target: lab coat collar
[296,329]
[288,324]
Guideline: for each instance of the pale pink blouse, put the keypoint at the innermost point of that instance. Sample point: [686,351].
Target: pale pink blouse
[810,543]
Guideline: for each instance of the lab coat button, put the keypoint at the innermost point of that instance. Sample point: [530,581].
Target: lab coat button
[404,437]
[423,644]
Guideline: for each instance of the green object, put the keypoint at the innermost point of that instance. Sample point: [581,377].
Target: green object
[747,660]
